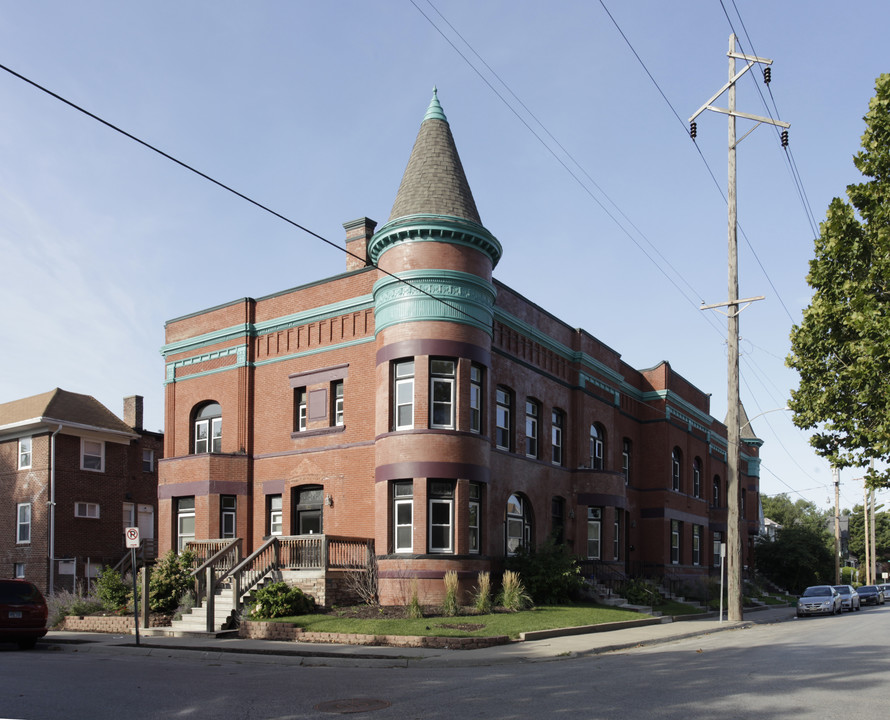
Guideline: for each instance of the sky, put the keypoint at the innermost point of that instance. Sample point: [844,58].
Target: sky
[571,120]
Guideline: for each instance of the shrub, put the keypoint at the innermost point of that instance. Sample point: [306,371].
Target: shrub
[551,576]
[112,590]
[642,592]
[513,596]
[414,610]
[64,602]
[450,605]
[482,598]
[170,579]
[281,600]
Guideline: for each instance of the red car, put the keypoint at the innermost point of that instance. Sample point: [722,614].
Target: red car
[22,613]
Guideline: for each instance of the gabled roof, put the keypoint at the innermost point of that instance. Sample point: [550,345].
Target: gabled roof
[434,182]
[60,407]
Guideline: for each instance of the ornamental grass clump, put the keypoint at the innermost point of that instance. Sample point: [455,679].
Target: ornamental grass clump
[482,596]
[414,610]
[450,605]
[513,596]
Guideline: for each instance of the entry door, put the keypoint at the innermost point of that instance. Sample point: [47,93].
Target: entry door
[145,521]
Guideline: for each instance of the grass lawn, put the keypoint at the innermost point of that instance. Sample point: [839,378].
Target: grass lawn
[510,624]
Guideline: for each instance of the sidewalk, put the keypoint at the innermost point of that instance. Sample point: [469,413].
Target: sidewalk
[309,654]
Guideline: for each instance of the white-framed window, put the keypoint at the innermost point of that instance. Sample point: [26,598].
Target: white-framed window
[625,460]
[403,373]
[475,399]
[275,513]
[473,523]
[148,460]
[504,401]
[24,453]
[717,491]
[337,394]
[594,532]
[597,446]
[18,570]
[185,522]
[675,542]
[23,523]
[696,544]
[718,539]
[92,455]
[696,477]
[228,526]
[86,510]
[442,393]
[531,428]
[208,429]
[676,464]
[556,424]
[441,516]
[403,516]
[301,409]
[518,525]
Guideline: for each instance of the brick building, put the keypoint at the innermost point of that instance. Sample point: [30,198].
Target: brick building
[72,476]
[416,401]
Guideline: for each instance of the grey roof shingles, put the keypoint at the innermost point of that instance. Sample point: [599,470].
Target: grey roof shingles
[434,182]
[66,407]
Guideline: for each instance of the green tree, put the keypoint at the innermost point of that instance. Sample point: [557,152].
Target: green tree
[796,558]
[857,535]
[840,349]
[787,513]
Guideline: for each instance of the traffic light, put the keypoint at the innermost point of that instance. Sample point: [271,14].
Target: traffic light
[784,138]
[767,75]
[693,130]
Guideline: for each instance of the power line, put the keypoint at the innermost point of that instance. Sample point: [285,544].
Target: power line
[225,187]
[559,159]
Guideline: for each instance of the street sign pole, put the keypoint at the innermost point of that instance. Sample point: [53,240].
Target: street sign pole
[132,536]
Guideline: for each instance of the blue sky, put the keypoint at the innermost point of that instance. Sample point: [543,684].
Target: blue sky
[609,216]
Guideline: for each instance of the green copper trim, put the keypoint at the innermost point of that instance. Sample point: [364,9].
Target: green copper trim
[325,312]
[434,228]
[444,295]
[241,360]
[434,111]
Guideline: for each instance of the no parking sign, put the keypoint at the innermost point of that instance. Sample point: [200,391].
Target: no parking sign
[132,535]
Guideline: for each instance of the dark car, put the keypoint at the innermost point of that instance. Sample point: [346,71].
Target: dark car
[819,600]
[849,597]
[22,613]
[870,595]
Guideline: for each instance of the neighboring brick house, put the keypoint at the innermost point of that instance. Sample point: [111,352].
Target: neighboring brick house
[416,401]
[99,470]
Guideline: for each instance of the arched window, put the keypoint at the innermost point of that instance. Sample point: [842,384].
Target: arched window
[597,446]
[208,428]
[696,477]
[676,464]
[518,524]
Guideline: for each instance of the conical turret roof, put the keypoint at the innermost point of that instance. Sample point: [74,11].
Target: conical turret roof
[434,182]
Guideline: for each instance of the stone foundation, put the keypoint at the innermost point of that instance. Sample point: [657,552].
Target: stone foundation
[291,633]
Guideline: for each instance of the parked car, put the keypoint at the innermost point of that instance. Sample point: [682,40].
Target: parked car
[885,589]
[870,595]
[819,600]
[849,597]
[22,613]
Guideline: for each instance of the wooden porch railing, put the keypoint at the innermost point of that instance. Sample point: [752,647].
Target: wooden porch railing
[220,561]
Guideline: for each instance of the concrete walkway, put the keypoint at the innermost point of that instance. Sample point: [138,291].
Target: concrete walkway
[548,649]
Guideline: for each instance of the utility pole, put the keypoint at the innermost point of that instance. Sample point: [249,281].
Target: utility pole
[867,540]
[733,535]
[837,525]
[873,565]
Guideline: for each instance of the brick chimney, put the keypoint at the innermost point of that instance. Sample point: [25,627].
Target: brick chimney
[358,233]
[133,411]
